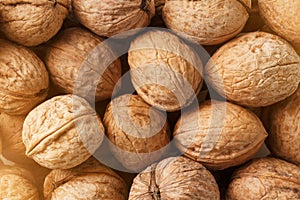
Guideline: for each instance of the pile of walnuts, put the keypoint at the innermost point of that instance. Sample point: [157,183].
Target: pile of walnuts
[149,99]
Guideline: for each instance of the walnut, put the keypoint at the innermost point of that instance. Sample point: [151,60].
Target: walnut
[265,178]
[109,17]
[70,57]
[139,133]
[24,79]
[175,178]
[207,22]
[256,69]
[219,134]
[90,180]
[282,16]
[159,4]
[165,71]
[62,132]
[30,22]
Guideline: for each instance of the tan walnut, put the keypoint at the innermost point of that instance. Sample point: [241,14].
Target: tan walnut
[165,71]
[256,69]
[31,22]
[265,178]
[90,180]
[207,22]
[74,57]
[174,178]
[219,134]
[139,134]
[110,17]
[23,79]
[62,132]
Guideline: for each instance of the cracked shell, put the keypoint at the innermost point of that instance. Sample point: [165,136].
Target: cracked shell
[256,69]
[175,178]
[265,178]
[207,22]
[23,79]
[111,17]
[219,134]
[31,22]
[62,132]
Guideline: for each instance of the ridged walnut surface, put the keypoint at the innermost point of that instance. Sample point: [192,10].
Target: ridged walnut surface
[71,58]
[17,183]
[23,79]
[256,69]
[219,134]
[32,22]
[207,22]
[111,17]
[284,137]
[283,17]
[165,71]
[62,132]
[174,178]
[265,178]
[139,133]
[90,180]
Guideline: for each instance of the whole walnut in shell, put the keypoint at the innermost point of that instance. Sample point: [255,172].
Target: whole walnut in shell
[207,22]
[72,57]
[265,178]
[90,180]
[219,134]
[31,22]
[165,71]
[23,79]
[62,132]
[256,69]
[111,17]
[17,183]
[139,134]
[175,178]
[283,17]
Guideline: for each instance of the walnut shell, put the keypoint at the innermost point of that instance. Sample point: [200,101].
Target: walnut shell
[265,178]
[17,183]
[175,178]
[283,17]
[256,69]
[110,17]
[90,180]
[297,47]
[23,79]
[284,128]
[31,22]
[165,71]
[66,57]
[139,133]
[62,132]
[159,4]
[219,134]
[207,22]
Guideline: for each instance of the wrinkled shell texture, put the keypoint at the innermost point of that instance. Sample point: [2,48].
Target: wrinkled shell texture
[283,17]
[23,79]
[265,178]
[256,69]
[219,134]
[165,71]
[284,137]
[139,133]
[207,22]
[71,58]
[159,4]
[31,22]
[175,178]
[108,18]
[90,180]
[17,183]
[62,132]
